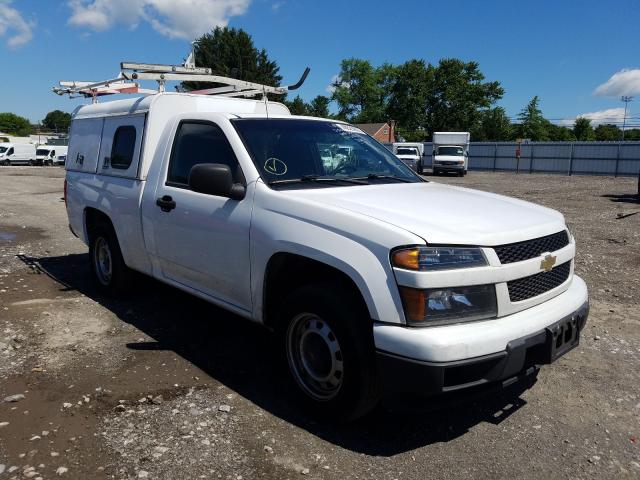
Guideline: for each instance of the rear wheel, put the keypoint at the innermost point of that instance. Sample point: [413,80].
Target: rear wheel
[328,344]
[31,163]
[107,264]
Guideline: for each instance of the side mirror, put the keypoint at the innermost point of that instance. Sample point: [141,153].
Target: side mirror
[215,179]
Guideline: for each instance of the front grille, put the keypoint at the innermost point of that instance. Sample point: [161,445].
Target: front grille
[517,252]
[534,285]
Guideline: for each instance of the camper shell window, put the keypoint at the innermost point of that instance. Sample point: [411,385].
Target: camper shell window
[124,144]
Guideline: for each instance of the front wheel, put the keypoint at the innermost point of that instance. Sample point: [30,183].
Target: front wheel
[107,264]
[329,350]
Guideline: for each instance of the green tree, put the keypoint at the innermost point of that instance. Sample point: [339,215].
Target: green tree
[319,107]
[494,126]
[362,91]
[459,95]
[230,52]
[297,106]
[57,120]
[558,133]
[409,94]
[607,133]
[14,125]
[532,124]
[583,130]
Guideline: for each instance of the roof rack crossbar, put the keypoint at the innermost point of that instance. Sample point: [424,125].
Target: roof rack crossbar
[133,71]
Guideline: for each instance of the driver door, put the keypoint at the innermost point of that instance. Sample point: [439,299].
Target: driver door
[202,240]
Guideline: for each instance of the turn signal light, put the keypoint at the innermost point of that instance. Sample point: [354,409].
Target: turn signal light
[415,302]
[409,259]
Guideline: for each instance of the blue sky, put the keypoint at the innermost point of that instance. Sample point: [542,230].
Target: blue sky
[560,50]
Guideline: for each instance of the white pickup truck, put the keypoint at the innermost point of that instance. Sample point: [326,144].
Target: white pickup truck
[230,200]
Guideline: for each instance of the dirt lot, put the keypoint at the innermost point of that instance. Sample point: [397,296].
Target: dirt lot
[165,386]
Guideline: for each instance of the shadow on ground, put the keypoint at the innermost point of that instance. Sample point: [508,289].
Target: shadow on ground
[623,198]
[242,356]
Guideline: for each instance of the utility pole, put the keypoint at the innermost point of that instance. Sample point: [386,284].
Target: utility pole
[626,99]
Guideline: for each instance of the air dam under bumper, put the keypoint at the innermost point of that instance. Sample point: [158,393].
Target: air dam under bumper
[526,341]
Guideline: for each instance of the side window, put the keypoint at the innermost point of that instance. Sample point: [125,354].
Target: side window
[199,142]
[124,144]
[10,152]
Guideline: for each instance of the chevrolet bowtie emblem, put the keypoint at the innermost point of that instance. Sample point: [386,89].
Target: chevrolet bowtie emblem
[547,263]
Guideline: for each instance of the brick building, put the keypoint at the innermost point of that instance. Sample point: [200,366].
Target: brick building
[383,132]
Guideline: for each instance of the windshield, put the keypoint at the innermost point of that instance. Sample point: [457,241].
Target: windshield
[455,151]
[286,150]
[407,151]
[3,149]
[42,151]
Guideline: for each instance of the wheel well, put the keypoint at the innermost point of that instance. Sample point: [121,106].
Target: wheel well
[286,272]
[94,218]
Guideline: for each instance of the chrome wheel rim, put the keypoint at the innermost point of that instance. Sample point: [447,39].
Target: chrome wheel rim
[315,357]
[102,260]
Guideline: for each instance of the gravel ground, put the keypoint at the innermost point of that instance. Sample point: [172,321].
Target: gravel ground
[165,386]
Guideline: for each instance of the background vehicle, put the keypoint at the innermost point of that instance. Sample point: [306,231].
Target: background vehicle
[410,154]
[451,152]
[17,154]
[48,154]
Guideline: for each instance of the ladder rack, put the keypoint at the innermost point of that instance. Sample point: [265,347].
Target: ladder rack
[131,72]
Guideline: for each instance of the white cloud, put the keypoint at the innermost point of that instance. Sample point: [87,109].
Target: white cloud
[624,82]
[610,115]
[186,19]
[19,30]
[336,80]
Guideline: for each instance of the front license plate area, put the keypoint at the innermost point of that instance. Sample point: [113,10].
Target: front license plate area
[562,337]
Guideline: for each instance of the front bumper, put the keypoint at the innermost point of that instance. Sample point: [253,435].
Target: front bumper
[448,168]
[522,356]
[424,372]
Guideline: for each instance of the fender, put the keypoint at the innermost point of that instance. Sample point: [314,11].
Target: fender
[332,236]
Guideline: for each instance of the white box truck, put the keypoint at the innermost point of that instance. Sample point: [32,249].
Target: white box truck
[48,154]
[410,153]
[17,153]
[451,152]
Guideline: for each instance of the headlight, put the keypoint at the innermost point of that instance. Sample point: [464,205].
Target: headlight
[437,306]
[438,258]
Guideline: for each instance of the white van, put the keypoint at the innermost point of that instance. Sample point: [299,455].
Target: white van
[48,154]
[17,153]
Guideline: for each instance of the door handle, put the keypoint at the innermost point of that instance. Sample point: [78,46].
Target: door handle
[166,203]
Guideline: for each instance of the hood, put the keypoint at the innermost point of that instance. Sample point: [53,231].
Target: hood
[442,214]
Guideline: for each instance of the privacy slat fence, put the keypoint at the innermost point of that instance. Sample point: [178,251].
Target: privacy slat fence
[585,158]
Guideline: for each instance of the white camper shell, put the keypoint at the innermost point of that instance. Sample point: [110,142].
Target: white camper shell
[96,127]
[451,152]
[17,154]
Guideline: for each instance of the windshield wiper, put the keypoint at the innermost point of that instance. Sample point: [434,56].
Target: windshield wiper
[316,178]
[377,176]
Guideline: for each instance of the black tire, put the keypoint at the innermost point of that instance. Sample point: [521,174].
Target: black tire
[464,174]
[31,163]
[348,347]
[103,241]
[419,168]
